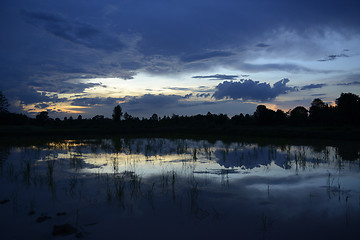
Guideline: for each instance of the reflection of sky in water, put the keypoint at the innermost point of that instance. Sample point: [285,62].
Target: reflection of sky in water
[147,157]
[286,167]
[270,190]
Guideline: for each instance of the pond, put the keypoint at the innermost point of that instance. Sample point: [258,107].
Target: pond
[161,188]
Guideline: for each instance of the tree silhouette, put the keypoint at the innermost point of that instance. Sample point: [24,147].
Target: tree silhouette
[154,117]
[127,116]
[42,117]
[316,105]
[318,110]
[347,111]
[349,107]
[280,116]
[299,114]
[264,115]
[98,118]
[4,104]
[117,113]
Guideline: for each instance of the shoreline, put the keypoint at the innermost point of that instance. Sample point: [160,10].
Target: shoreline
[309,132]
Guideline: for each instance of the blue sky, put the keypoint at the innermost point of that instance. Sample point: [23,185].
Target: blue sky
[183,57]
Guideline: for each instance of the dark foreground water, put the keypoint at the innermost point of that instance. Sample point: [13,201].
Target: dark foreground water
[178,189]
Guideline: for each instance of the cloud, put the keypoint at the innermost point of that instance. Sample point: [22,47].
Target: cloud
[318,94]
[63,86]
[251,90]
[219,77]
[46,45]
[205,56]
[263,45]
[292,68]
[333,57]
[27,95]
[131,65]
[95,101]
[179,88]
[349,83]
[156,101]
[150,103]
[73,31]
[42,105]
[166,105]
[203,95]
[312,86]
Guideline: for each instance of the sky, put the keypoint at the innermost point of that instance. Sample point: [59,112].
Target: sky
[167,57]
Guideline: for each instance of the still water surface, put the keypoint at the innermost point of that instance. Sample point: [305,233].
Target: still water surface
[178,189]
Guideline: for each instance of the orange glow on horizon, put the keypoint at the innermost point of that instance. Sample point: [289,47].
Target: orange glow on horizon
[58,108]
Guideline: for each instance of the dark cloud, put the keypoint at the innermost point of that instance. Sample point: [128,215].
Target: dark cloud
[201,91]
[318,94]
[204,89]
[28,95]
[194,25]
[131,65]
[128,76]
[47,45]
[333,57]
[63,86]
[95,101]
[219,77]
[42,105]
[251,90]
[156,101]
[150,103]
[349,83]
[188,95]
[166,105]
[312,86]
[180,88]
[73,31]
[204,56]
[293,68]
[203,95]
[262,45]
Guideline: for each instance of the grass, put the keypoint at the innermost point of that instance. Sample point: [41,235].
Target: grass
[194,154]
[115,164]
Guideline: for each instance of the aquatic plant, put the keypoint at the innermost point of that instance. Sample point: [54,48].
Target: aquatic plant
[194,154]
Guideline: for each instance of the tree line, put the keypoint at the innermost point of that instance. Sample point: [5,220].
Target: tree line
[345,112]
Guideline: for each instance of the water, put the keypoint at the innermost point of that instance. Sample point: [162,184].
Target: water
[179,189]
